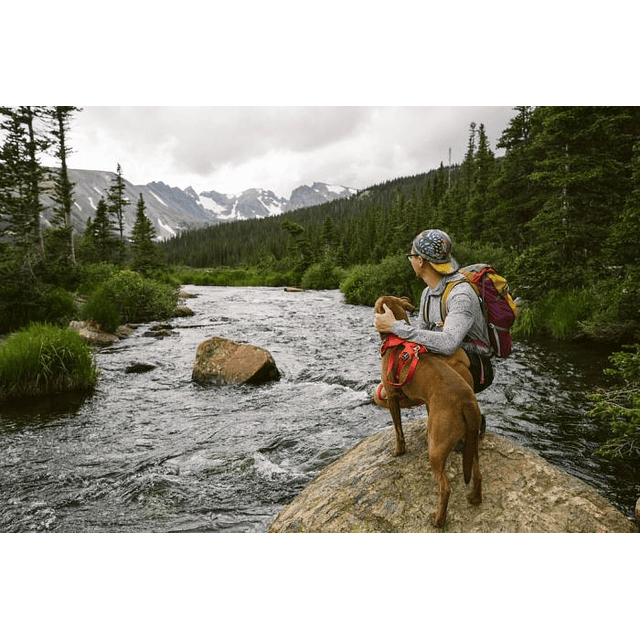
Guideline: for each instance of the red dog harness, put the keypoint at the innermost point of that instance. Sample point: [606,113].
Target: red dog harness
[404,353]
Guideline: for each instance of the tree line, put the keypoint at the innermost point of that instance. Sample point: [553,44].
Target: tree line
[39,266]
[557,213]
[558,210]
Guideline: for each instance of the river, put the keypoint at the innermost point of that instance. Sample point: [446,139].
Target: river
[155,452]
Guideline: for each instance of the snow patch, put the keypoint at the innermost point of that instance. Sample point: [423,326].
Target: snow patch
[166,227]
[210,204]
[93,206]
[157,198]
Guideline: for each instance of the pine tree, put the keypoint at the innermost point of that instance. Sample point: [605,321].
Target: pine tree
[145,251]
[20,177]
[477,222]
[623,244]
[515,199]
[63,187]
[116,203]
[102,230]
[583,168]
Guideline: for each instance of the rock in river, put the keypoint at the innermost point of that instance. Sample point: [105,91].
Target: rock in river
[368,489]
[222,361]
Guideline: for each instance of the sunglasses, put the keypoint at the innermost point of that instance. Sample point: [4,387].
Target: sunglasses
[411,255]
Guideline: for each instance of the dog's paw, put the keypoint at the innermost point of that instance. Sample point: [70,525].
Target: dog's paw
[399,451]
[474,499]
[438,522]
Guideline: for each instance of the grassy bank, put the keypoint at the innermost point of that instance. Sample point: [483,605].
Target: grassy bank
[44,359]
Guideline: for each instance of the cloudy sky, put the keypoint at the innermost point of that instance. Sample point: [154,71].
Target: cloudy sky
[230,149]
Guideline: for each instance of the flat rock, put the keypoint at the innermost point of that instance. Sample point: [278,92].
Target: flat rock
[369,490]
[93,333]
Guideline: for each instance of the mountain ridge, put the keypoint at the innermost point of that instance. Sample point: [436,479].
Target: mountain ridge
[173,210]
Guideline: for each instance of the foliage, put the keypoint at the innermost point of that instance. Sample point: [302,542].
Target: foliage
[25,299]
[619,408]
[146,256]
[223,277]
[129,297]
[557,212]
[324,275]
[93,274]
[43,359]
[364,283]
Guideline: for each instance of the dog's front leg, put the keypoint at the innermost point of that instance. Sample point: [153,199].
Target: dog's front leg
[394,409]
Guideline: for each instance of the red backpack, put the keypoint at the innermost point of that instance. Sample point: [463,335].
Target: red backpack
[498,306]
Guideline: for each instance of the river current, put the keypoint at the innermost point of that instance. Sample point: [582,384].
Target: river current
[154,452]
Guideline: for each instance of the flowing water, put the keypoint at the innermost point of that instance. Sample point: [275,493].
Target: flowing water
[155,452]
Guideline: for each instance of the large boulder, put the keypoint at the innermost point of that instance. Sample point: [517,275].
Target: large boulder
[368,489]
[222,361]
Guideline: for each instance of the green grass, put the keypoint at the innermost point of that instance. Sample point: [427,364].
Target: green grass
[43,360]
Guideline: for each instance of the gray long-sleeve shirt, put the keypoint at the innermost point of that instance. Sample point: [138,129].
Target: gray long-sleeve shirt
[464,320]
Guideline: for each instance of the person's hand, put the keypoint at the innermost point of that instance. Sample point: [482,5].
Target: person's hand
[383,322]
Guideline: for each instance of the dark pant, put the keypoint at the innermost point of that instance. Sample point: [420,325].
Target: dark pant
[481,370]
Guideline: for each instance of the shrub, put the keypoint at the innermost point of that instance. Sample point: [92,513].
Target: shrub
[129,297]
[560,313]
[323,275]
[393,276]
[25,301]
[619,408]
[44,359]
[93,275]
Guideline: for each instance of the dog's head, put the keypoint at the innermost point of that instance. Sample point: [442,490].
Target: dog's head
[399,306]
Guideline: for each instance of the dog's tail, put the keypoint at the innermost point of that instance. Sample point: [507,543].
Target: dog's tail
[473,418]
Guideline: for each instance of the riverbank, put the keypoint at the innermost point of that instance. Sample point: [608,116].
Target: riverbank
[368,490]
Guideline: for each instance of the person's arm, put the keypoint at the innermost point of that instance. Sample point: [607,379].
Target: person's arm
[457,324]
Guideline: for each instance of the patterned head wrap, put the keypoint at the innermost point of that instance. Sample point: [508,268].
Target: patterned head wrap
[435,247]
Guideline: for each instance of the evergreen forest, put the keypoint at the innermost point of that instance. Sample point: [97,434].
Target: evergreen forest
[555,208]
[556,213]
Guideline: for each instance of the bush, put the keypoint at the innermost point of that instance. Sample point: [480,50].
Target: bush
[393,276]
[93,275]
[561,314]
[129,297]
[23,302]
[323,275]
[619,408]
[42,360]
[467,253]
[225,277]
[562,311]
[616,303]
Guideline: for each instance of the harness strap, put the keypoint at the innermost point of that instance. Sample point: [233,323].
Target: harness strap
[404,352]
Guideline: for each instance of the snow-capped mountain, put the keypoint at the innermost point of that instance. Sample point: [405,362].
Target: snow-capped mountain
[172,210]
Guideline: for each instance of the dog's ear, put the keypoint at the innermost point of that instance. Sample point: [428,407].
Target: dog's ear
[407,304]
[377,307]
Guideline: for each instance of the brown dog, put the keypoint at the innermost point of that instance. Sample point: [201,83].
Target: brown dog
[453,411]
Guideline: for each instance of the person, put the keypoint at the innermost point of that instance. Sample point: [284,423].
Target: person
[464,324]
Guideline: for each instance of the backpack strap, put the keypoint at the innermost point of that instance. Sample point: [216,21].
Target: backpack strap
[443,305]
[445,296]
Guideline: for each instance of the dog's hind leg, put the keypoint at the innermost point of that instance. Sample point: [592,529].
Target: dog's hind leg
[394,409]
[438,454]
[470,462]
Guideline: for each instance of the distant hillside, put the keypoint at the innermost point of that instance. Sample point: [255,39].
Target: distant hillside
[173,210]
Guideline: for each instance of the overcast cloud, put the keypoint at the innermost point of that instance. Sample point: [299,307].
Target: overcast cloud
[230,149]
